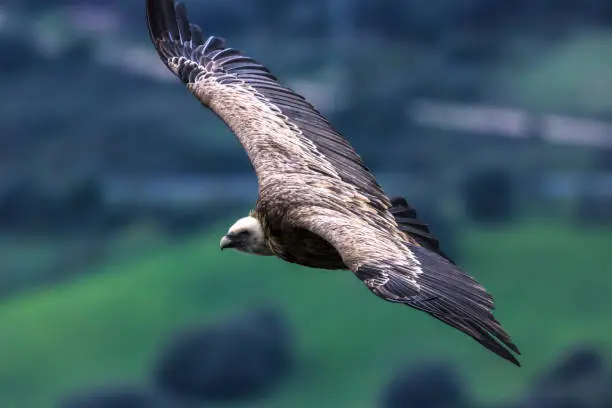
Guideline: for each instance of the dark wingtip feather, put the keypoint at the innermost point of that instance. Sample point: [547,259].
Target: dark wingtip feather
[173,35]
[161,20]
[183,25]
[197,37]
[406,218]
[458,300]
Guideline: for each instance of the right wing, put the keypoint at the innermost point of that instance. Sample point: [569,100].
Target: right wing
[281,132]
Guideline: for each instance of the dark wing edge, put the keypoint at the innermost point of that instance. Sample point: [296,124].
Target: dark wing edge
[175,38]
[408,222]
[447,294]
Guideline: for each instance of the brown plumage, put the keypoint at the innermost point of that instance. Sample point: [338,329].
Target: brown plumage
[318,204]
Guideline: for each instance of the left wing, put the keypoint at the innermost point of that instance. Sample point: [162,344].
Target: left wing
[402,272]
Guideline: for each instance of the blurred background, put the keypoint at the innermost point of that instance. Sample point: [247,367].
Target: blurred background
[494,119]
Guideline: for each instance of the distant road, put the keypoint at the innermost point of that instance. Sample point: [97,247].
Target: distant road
[197,190]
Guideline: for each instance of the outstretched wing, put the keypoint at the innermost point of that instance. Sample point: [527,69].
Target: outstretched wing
[402,272]
[280,131]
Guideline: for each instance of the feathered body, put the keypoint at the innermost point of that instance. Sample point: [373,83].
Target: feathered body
[318,204]
[300,246]
[297,245]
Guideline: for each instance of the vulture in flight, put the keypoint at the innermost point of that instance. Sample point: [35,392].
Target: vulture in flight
[318,204]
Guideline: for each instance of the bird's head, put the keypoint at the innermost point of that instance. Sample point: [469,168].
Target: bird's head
[246,235]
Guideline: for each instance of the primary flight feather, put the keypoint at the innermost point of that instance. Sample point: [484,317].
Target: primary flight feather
[318,204]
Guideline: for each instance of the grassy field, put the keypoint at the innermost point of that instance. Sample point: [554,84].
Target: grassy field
[551,283]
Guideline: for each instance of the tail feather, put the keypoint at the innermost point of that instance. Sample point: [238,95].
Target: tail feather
[406,217]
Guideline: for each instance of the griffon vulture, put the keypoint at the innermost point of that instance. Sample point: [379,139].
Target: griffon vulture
[318,204]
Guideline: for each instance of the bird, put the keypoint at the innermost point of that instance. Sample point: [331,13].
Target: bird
[318,204]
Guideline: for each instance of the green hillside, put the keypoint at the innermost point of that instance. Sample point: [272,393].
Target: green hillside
[551,283]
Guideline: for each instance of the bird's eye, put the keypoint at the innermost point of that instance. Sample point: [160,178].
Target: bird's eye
[243,233]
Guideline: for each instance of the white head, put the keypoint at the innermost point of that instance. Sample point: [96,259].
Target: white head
[246,235]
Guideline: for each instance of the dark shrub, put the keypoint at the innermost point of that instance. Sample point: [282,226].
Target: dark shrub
[579,380]
[24,205]
[81,207]
[17,56]
[111,397]
[489,196]
[240,359]
[593,211]
[579,362]
[84,198]
[430,385]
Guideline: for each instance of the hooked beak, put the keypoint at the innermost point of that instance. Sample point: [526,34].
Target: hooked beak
[226,242]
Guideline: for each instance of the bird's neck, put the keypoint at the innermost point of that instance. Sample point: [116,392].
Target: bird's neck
[268,247]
